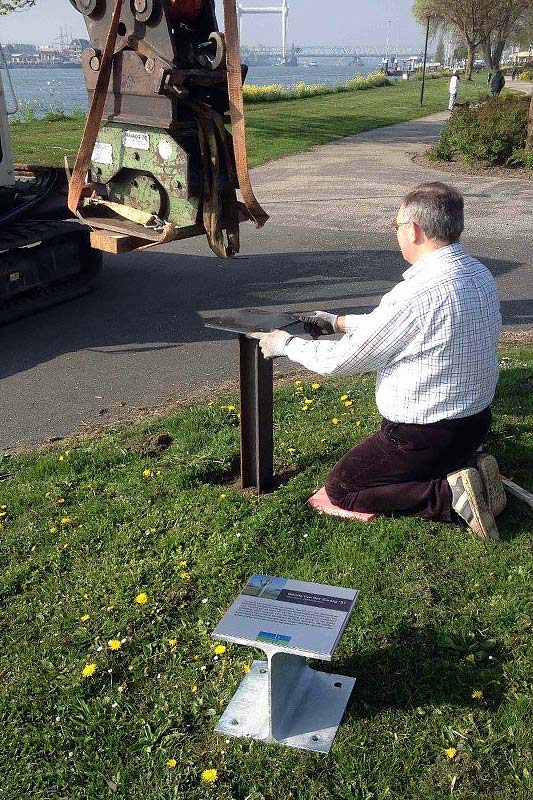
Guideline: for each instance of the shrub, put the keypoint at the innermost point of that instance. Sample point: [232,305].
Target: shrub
[521,158]
[527,75]
[490,132]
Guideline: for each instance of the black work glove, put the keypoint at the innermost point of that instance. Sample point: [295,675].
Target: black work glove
[319,323]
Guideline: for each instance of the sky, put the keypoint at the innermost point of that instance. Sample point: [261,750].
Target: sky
[342,22]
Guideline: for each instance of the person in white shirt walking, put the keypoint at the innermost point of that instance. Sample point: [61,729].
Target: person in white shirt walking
[433,342]
[454,89]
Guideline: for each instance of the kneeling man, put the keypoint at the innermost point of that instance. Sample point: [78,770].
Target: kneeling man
[433,342]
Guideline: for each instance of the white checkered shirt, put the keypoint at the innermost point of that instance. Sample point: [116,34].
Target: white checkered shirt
[433,341]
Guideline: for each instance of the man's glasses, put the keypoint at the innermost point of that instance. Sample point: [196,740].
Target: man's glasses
[396,225]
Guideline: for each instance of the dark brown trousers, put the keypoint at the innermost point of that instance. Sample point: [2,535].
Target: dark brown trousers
[402,468]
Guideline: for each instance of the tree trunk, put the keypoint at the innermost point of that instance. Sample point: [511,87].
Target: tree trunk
[470,53]
[497,53]
[529,142]
[487,52]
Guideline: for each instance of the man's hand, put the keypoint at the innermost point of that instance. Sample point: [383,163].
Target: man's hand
[272,344]
[320,323]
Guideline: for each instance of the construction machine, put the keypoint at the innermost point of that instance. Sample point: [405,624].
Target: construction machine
[156,162]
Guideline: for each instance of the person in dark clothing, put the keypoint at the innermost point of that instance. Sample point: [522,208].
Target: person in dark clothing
[489,78]
[497,83]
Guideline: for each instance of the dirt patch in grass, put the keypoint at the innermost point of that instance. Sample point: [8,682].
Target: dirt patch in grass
[458,167]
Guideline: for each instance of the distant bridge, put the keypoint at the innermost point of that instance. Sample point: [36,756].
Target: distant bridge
[353,54]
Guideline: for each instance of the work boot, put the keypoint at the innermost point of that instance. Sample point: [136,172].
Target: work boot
[489,473]
[468,501]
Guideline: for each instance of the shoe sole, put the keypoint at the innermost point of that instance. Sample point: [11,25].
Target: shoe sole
[494,490]
[482,524]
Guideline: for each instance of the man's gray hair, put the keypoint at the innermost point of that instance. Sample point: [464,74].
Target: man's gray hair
[438,209]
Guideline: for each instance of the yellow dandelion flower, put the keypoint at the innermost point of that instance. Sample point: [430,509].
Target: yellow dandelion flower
[470,658]
[245,668]
[85,618]
[3,514]
[231,408]
[194,688]
[335,421]
[450,752]
[308,402]
[173,642]
[147,473]
[297,383]
[344,397]
[88,670]
[209,775]
[358,424]
[185,576]
[61,500]
[291,450]
[315,386]
[3,507]
[142,598]
[61,457]
[477,694]
[66,520]
[222,496]
[171,763]
[114,644]
[348,403]
[183,564]
[220,649]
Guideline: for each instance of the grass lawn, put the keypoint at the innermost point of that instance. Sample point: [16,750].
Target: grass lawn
[440,641]
[275,129]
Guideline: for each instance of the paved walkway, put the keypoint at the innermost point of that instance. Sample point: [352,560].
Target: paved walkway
[139,339]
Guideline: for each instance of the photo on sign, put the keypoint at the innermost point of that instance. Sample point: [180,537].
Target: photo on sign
[267,586]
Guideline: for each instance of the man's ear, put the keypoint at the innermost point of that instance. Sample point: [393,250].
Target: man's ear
[415,233]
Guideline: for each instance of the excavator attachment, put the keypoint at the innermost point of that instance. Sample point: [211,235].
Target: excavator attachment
[157,162]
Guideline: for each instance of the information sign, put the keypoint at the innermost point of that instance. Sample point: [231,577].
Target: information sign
[302,618]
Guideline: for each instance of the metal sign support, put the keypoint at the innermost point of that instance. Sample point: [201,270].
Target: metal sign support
[283,700]
[257,424]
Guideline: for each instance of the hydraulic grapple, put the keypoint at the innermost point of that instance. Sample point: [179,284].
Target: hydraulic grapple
[157,162]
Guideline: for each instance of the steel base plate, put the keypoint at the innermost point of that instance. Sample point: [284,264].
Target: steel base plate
[312,726]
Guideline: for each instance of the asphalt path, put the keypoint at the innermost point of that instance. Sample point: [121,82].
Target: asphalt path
[139,339]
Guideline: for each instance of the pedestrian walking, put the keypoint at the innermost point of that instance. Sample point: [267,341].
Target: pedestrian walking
[454,88]
[497,83]
[489,78]
[514,74]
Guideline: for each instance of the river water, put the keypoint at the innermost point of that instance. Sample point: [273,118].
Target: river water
[42,90]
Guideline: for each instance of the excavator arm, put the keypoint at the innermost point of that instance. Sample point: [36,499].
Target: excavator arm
[160,162]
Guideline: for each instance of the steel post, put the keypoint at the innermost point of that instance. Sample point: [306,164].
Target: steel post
[257,421]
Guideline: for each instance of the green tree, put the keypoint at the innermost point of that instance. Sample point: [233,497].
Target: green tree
[439,52]
[504,22]
[465,17]
[6,6]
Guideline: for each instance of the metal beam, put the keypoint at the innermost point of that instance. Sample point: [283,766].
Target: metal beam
[257,425]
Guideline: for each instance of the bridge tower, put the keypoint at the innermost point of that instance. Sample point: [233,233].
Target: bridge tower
[282,10]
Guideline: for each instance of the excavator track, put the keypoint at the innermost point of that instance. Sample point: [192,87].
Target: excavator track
[43,263]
